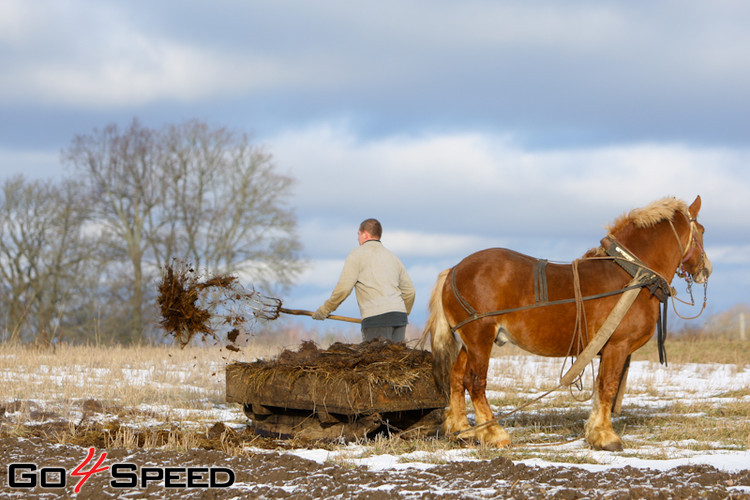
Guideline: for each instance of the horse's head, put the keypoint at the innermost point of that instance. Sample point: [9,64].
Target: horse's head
[694,260]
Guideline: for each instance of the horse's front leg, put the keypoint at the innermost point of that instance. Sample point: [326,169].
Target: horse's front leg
[455,419]
[599,432]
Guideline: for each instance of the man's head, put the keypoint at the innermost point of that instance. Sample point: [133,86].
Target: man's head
[370,229]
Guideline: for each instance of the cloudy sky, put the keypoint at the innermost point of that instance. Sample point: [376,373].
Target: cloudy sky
[460,125]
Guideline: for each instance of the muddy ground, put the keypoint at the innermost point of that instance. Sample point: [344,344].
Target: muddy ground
[270,472]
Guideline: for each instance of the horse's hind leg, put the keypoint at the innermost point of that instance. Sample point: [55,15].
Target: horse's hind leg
[487,430]
[455,419]
[599,432]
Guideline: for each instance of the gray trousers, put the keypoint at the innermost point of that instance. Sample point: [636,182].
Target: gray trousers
[393,333]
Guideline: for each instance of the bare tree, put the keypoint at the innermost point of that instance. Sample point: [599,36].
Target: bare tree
[122,174]
[227,205]
[188,191]
[43,255]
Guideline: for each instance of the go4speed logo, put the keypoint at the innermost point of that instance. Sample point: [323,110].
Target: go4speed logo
[123,475]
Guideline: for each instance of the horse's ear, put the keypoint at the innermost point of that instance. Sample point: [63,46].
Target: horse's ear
[695,207]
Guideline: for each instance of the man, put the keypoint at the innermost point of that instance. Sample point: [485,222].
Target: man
[384,291]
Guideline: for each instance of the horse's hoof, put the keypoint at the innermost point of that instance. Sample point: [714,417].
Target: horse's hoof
[454,422]
[603,440]
[501,444]
[455,428]
[494,436]
[614,446]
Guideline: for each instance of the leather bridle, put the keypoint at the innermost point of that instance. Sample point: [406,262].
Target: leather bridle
[687,252]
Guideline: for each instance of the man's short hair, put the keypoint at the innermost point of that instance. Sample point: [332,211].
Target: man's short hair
[371,226]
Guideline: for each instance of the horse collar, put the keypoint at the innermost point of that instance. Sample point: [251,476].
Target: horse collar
[655,283]
[622,256]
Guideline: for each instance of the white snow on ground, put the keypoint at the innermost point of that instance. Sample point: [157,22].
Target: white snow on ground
[650,385]
[727,461]
[681,383]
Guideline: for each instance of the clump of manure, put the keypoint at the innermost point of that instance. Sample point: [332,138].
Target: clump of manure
[192,305]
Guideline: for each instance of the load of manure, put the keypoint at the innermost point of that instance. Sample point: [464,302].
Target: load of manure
[377,362]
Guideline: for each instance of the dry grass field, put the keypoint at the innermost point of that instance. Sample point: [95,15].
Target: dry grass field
[165,399]
[185,388]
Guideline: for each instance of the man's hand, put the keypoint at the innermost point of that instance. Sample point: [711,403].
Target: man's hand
[319,314]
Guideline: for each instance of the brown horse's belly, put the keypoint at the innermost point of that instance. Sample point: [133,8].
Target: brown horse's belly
[537,335]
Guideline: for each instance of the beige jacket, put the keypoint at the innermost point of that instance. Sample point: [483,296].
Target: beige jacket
[379,278]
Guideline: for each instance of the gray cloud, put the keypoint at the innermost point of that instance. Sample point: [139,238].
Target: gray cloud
[523,124]
[553,73]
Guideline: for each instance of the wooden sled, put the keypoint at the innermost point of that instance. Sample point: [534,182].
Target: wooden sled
[345,393]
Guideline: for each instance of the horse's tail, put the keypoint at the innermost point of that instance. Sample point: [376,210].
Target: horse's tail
[444,344]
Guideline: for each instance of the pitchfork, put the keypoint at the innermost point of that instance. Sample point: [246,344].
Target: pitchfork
[302,312]
[269,308]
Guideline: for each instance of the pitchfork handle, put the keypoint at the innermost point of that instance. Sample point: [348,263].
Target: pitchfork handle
[302,312]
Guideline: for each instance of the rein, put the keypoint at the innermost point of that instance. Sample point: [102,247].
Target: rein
[686,254]
[692,300]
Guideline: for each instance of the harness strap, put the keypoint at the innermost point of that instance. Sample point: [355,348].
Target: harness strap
[474,316]
[540,282]
[605,330]
[661,333]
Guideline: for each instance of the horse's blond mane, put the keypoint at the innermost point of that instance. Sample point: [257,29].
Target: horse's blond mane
[651,214]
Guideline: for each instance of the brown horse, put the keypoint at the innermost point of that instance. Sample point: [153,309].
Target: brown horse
[498,295]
